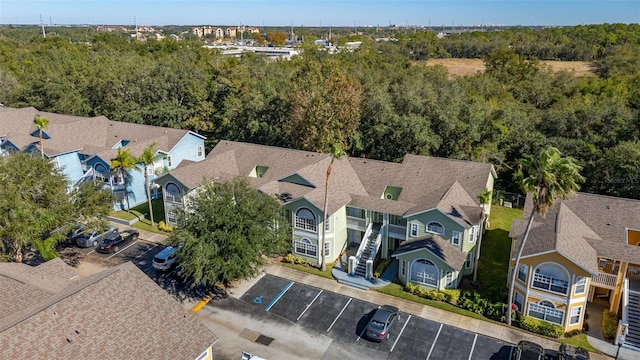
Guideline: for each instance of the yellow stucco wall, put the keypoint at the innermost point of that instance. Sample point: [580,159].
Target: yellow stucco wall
[633,237]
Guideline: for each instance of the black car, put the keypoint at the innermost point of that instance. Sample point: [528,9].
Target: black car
[570,352]
[527,350]
[381,322]
[115,243]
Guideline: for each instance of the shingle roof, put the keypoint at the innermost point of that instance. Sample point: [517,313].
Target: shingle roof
[582,228]
[91,136]
[117,314]
[354,181]
[438,246]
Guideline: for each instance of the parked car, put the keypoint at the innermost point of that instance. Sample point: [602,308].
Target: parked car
[570,352]
[114,244]
[166,259]
[527,350]
[381,322]
[94,237]
[75,234]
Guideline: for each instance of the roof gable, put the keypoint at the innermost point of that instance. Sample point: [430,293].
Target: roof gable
[437,246]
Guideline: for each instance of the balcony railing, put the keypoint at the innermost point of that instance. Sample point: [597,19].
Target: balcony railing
[604,280]
[550,284]
[356,223]
[398,232]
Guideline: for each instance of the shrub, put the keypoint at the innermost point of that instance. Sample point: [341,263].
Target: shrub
[495,311]
[411,288]
[382,266]
[451,296]
[289,258]
[572,333]
[609,324]
[164,227]
[472,301]
[541,327]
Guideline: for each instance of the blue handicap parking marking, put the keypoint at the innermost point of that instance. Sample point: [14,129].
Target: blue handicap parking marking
[258,300]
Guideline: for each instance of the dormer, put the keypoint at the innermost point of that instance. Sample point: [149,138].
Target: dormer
[258,171]
[297,179]
[120,144]
[391,193]
[36,134]
[633,237]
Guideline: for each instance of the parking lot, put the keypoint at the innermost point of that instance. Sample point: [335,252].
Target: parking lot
[344,319]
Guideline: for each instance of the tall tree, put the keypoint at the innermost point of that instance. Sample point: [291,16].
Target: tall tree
[41,123]
[226,231]
[484,197]
[121,165]
[336,153]
[548,177]
[147,158]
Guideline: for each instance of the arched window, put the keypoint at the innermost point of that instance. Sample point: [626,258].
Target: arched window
[101,173]
[173,193]
[547,303]
[425,272]
[305,220]
[545,310]
[435,227]
[305,247]
[551,277]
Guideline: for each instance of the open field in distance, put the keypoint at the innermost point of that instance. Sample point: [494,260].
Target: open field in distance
[466,67]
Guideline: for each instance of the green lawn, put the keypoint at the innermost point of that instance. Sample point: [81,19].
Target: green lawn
[143,210]
[311,269]
[580,340]
[494,254]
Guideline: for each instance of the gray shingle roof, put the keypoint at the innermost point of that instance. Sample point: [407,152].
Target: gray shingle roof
[117,314]
[91,136]
[582,228]
[426,182]
[438,246]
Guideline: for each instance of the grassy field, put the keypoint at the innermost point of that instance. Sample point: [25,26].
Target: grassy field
[143,210]
[470,67]
[494,254]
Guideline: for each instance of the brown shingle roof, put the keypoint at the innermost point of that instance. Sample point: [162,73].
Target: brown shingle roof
[582,228]
[117,314]
[438,246]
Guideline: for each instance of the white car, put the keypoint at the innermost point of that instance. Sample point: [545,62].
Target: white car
[165,259]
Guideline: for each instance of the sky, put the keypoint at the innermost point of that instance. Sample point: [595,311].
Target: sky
[320,12]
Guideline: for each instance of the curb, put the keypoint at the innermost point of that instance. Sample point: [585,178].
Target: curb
[201,304]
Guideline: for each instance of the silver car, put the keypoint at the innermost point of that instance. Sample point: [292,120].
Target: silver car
[94,237]
[381,322]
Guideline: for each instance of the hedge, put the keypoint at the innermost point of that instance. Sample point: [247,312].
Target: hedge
[609,324]
[541,327]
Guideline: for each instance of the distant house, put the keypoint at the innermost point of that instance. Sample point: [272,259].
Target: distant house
[48,312]
[587,249]
[82,148]
[423,211]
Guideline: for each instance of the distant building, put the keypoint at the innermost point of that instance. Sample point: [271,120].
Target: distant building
[111,28]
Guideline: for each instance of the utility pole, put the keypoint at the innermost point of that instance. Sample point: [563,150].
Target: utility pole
[44,34]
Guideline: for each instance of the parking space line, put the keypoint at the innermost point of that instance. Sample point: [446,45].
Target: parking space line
[273,302]
[147,268]
[92,251]
[123,249]
[473,346]
[146,251]
[399,334]
[309,305]
[341,311]
[434,342]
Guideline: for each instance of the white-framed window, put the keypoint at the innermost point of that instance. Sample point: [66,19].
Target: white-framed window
[403,267]
[473,233]
[327,248]
[169,162]
[199,151]
[545,310]
[414,230]
[305,220]
[575,315]
[449,279]
[469,261]
[305,247]
[518,299]
[455,237]
[581,283]
[551,278]
[435,227]
[150,170]
[327,223]
[171,217]
[522,272]
[424,272]
[172,193]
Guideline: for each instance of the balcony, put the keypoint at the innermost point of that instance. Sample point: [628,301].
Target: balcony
[356,223]
[398,232]
[549,283]
[604,280]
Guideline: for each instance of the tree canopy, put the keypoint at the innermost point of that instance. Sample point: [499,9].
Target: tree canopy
[225,230]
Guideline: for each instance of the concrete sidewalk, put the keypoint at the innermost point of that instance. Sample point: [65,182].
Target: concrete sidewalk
[490,329]
[144,234]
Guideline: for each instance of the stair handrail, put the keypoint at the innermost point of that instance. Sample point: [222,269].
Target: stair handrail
[625,307]
[363,242]
[378,241]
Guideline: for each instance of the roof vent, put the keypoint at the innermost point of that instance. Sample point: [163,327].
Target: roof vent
[286,197]
[608,206]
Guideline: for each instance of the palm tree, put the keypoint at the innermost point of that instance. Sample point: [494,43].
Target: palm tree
[336,153]
[147,158]
[547,177]
[41,123]
[121,165]
[484,197]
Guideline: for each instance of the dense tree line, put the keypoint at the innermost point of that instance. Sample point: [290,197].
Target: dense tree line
[378,100]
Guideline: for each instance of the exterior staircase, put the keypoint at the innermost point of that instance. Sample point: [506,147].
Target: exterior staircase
[369,249]
[632,337]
